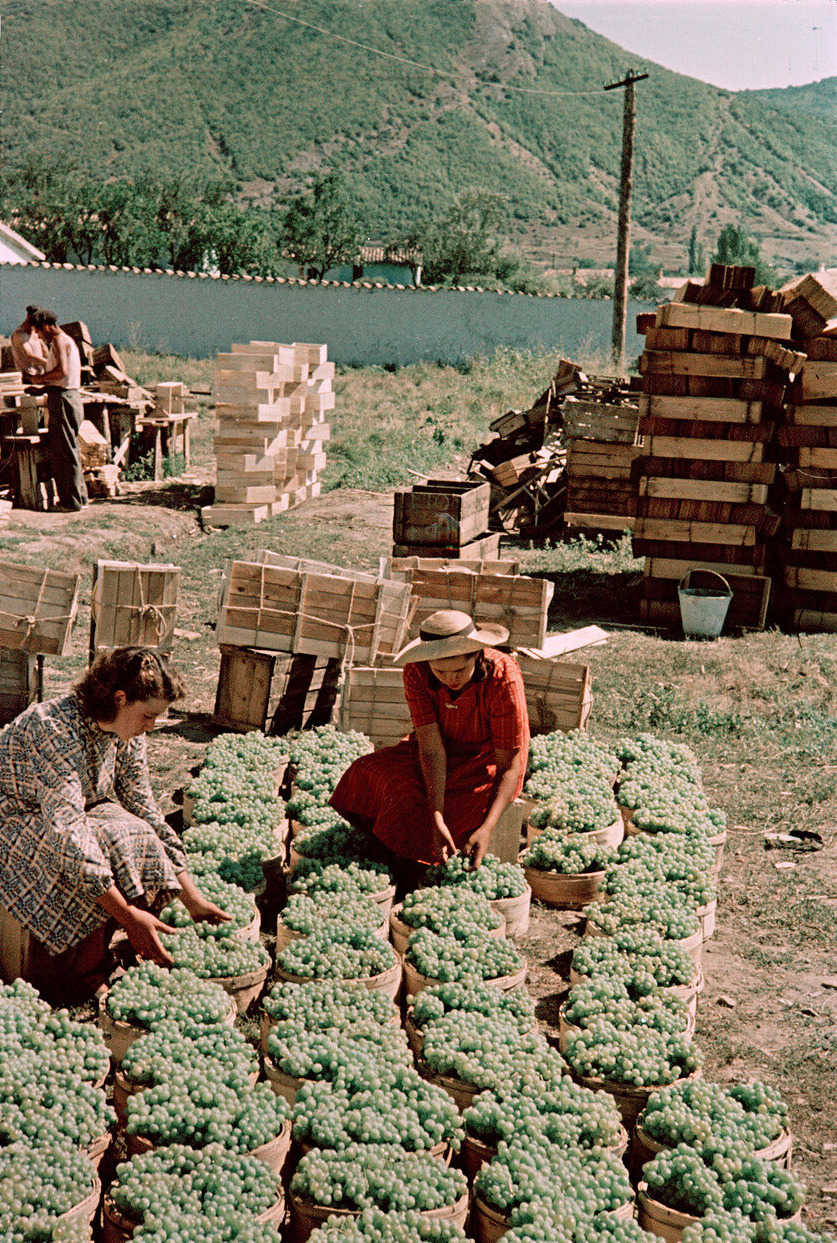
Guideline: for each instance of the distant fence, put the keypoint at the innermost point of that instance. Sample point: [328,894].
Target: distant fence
[198,316]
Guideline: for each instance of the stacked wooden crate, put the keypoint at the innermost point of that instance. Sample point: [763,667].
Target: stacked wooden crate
[133,605]
[270,432]
[443,518]
[714,386]
[809,447]
[37,610]
[602,445]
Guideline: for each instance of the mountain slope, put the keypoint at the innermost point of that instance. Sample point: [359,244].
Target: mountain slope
[515,106]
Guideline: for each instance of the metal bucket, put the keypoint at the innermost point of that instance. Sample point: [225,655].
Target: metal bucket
[704,602]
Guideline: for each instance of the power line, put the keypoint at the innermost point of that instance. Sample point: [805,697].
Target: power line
[414,64]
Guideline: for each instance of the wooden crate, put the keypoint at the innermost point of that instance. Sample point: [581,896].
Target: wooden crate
[133,605]
[396,567]
[267,691]
[19,683]
[515,601]
[440,512]
[593,420]
[558,697]
[724,319]
[290,610]
[37,609]
[748,606]
[244,679]
[594,459]
[486,548]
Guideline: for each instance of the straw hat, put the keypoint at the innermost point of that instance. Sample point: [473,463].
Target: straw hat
[450,633]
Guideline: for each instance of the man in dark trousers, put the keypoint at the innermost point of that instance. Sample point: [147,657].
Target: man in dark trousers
[62,380]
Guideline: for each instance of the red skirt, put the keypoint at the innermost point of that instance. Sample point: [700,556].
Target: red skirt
[385,789]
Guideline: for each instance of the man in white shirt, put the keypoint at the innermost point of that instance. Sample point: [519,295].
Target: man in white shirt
[27,350]
[62,379]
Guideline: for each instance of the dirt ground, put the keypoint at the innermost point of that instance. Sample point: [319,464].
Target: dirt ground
[769,1008]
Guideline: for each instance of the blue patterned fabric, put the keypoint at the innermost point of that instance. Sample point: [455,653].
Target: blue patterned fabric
[77,816]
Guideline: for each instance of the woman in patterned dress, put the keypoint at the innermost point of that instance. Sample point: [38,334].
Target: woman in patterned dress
[444,788]
[83,844]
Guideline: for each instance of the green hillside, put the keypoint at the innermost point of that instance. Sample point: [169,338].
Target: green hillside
[514,105]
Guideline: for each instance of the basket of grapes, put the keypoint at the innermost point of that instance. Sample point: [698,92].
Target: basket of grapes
[561,1112]
[629,1063]
[656,1009]
[43,1184]
[375,1226]
[443,909]
[502,883]
[435,959]
[580,806]
[672,913]
[477,997]
[331,1006]
[330,1183]
[147,995]
[245,919]
[295,1055]
[370,879]
[565,871]
[467,1053]
[240,967]
[643,959]
[686,1183]
[204,1182]
[342,953]
[304,914]
[172,1049]
[750,1113]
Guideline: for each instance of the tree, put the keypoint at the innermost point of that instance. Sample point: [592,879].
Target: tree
[736,249]
[462,242]
[322,228]
[697,255]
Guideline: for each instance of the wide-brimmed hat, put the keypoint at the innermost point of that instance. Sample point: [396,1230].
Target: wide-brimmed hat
[450,633]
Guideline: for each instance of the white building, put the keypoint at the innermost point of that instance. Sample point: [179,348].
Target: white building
[16,249]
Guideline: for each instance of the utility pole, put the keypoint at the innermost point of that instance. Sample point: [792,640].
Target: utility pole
[623,241]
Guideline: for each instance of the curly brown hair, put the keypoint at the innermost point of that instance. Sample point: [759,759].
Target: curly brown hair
[141,672]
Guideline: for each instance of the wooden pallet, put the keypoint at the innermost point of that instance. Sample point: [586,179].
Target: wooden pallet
[598,522]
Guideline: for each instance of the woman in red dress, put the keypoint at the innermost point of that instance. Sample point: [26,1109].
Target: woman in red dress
[443,789]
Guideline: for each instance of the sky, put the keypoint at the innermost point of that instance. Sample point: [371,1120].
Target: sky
[735,44]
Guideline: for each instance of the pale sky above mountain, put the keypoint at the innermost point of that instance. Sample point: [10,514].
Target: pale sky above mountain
[735,44]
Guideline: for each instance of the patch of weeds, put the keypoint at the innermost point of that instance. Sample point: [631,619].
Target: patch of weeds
[667,708]
[174,465]
[581,554]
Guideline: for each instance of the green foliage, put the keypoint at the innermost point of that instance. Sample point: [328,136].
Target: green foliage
[697,255]
[322,228]
[736,248]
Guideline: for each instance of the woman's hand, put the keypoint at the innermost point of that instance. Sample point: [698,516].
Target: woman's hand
[143,931]
[197,904]
[476,846]
[442,842]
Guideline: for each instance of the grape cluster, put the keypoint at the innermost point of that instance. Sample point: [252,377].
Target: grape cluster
[381,1104]
[586,806]
[640,956]
[571,778]
[40,1182]
[587,1181]
[231,898]
[460,912]
[196,1109]
[330,839]
[338,952]
[305,914]
[662,907]
[553,851]
[375,1226]
[38,1106]
[146,995]
[183,1225]
[703,1179]
[325,1005]
[493,878]
[214,958]
[646,863]
[235,853]
[445,958]
[51,1042]
[474,1048]
[635,1056]
[565,1113]
[612,1000]
[381,1176]
[156,1185]
[696,1111]
[306,1054]
[476,998]
[170,1051]
[320,756]
[311,876]
[569,754]
[734,1227]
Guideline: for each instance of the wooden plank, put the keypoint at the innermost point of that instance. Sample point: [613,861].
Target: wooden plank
[819,498]
[702,409]
[812,415]
[668,567]
[485,548]
[713,450]
[670,362]
[724,319]
[812,621]
[814,540]
[695,532]
[824,458]
[810,580]
[703,490]
[600,522]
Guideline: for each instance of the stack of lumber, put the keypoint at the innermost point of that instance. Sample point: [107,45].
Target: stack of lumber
[602,445]
[808,441]
[101,476]
[270,432]
[133,605]
[714,381]
[443,518]
[322,617]
[11,388]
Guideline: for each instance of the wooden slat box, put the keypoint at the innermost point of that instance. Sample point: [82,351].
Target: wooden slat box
[290,610]
[133,604]
[396,567]
[487,547]
[515,601]
[37,609]
[592,420]
[558,697]
[18,683]
[440,512]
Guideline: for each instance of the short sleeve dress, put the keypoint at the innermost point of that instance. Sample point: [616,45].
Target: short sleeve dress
[77,816]
[386,788]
